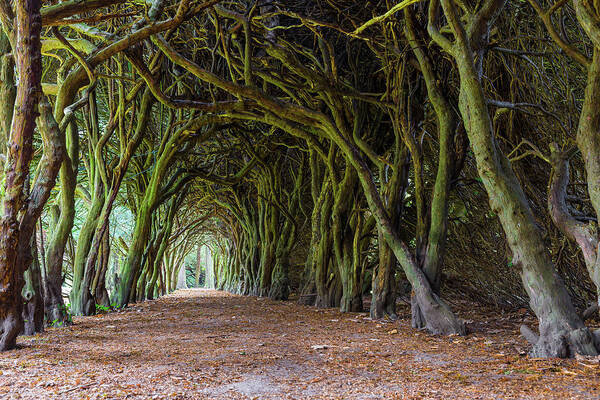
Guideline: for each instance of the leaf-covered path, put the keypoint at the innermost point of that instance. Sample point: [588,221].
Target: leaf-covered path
[201,344]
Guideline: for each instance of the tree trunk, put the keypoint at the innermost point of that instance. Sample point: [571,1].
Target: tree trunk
[318,184]
[280,281]
[132,265]
[80,291]
[439,317]
[280,286]
[98,289]
[562,332]
[588,142]
[351,274]
[19,217]
[55,307]
[33,310]
[7,94]
[326,278]
[154,264]
[198,267]
[328,290]
[434,244]
[383,283]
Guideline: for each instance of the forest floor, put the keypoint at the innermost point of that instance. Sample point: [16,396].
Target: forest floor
[203,344]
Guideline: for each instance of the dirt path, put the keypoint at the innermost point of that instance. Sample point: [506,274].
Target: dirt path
[200,344]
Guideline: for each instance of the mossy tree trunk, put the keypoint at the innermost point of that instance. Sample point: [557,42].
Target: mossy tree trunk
[19,217]
[118,174]
[268,226]
[82,302]
[561,331]
[98,288]
[588,142]
[280,283]
[291,117]
[33,309]
[80,295]
[8,92]
[163,243]
[326,273]
[57,241]
[308,291]
[431,243]
[394,183]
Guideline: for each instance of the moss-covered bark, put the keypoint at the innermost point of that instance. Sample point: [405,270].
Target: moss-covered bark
[141,233]
[588,142]
[57,240]
[562,333]
[432,244]
[81,301]
[345,227]
[280,284]
[327,280]
[162,244]
[317,186]
[19,218]
[8,93]
[98,289]
[33,295]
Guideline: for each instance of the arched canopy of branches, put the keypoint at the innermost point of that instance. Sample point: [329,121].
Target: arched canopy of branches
[324,148]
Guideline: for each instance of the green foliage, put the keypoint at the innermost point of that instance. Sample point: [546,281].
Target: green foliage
[68,317]
[100,308]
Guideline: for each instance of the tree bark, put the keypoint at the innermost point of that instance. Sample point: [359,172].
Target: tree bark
[326,273]
[308,294]
[98,289]
[383,281]
[33,310]
[433,243]
[588,141]
[562,332]
[8,92]
[439,318]
[19,215]
[80,291]
[55,307]
[580,232]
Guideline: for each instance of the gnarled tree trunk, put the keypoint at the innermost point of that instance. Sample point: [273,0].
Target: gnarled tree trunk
[432,246]
[383,281]
[55,307]
[26,29]
[19,218]
[561,332]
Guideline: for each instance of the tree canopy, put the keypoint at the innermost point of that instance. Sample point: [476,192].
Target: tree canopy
[338,150]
